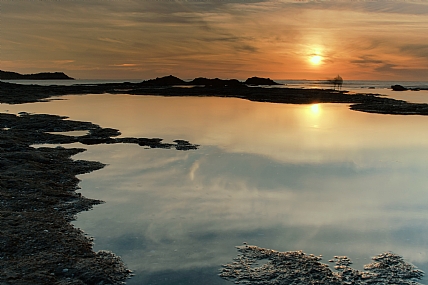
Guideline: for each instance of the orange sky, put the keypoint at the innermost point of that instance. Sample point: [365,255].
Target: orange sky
[140,39]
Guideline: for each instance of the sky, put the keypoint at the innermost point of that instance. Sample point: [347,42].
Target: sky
[279,39]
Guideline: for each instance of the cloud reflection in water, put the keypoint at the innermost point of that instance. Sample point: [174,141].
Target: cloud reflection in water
[353,185]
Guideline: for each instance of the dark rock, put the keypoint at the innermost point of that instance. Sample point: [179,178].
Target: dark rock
[260,81]
[104,132]
[201,81]
[8,75]
[398,88]
[296,267]
[96,140]
[184,145]
[365,102]
[38,245]
[216,82]
[164,81]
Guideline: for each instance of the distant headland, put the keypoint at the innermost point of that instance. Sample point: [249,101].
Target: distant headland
[208,82]
[9,75]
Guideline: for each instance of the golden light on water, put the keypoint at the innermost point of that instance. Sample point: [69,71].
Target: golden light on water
[313,116]
[315,109]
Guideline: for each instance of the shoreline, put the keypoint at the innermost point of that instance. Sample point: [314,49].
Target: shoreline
[12,93]
[38,245]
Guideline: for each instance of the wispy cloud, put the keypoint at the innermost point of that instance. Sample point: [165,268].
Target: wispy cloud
[64,61]
[125,65]
[265,38]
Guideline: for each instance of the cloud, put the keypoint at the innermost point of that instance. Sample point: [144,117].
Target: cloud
[419,50]
[109,40]
[387,68]
[221,37]
[125,65]
[65,61]
[370,7]
[367,60]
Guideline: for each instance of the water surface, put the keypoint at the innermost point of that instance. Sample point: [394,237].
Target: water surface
[318,178]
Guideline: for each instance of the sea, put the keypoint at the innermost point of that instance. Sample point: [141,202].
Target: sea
[347,84]
[320,178]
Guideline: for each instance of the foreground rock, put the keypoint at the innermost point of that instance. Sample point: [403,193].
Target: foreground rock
[298,268]
[38,245]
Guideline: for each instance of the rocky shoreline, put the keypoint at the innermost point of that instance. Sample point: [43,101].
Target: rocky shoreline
[365,102]
[38,245]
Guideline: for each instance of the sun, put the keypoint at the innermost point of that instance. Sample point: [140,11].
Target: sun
[316,59]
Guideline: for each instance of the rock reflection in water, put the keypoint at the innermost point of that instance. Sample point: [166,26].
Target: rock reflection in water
[296,267]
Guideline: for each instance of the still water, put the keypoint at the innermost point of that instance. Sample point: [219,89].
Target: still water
[318,178]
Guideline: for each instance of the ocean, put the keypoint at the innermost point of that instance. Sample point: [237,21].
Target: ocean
[347,84]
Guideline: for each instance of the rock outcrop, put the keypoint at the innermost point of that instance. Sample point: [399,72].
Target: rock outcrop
[8,75]
[164,81]
[216,82]
[260,81]
[398,88]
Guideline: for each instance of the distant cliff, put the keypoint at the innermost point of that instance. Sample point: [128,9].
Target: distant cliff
[8,75]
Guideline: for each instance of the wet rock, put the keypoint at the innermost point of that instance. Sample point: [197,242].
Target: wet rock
[95,140]
[184,145]
[38,245]
[298,268]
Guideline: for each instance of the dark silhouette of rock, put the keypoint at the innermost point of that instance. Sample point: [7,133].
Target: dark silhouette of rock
[398,88]
[216,82]
[201,81]
[260,81]
[8,75]
[164,81]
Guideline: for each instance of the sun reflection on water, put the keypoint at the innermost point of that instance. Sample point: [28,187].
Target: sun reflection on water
[315,109]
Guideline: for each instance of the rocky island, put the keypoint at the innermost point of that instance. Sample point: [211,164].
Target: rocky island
[8,75]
